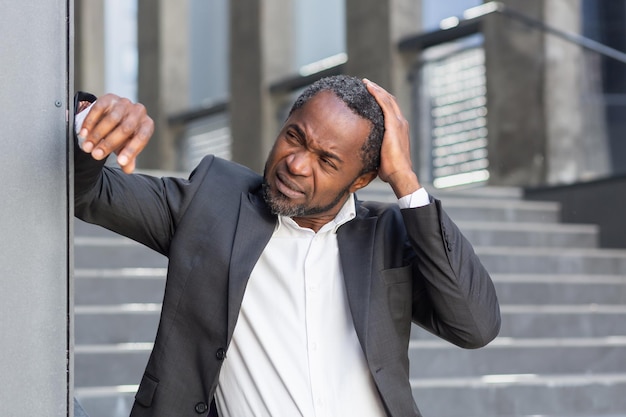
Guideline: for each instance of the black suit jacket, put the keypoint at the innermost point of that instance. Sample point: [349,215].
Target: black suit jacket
[399,266]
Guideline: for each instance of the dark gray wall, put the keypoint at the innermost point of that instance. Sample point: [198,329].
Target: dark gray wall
[34,293]
[600,202]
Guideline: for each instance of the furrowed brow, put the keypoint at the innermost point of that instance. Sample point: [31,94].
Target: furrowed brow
[330,155]
[321,152]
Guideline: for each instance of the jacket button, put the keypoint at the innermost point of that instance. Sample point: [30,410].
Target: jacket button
[220,354]
[201,408]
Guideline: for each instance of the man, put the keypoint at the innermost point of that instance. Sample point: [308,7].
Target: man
[285,295]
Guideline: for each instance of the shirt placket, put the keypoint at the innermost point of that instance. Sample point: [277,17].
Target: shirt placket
[314,274]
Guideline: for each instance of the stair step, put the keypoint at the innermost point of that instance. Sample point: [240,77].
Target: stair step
[114,252]
[560,289]
[431,359]
[123,323]
[566,321]
[119,285]
[552,260]
[490,192]
[478,204]
[523,395]
[491,233]
[82,228]
[108,365]
[461,209]
[111,401]
[378,188]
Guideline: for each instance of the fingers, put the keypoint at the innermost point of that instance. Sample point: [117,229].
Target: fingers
[397,139]
[395,157]
[127,155]
[385,99]
[117,125]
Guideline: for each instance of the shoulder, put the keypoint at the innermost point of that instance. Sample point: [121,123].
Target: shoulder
[216,172]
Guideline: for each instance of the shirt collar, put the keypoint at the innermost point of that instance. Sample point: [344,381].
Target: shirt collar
[347,213]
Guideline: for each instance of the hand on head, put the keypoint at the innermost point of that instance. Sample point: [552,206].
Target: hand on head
[396,167]
[116,124]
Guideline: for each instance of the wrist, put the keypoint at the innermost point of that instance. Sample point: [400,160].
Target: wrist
[404,183]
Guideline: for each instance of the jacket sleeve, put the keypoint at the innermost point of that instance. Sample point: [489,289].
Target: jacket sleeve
[144,208]
[453,294]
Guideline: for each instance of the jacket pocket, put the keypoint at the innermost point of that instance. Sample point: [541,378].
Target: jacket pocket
[147,388]
[398,283]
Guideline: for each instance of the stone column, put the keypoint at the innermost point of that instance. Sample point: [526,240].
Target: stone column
[261,45]
[577,146]
[163,74]
[89,46]
[540,130]
[374,28]
[515,62]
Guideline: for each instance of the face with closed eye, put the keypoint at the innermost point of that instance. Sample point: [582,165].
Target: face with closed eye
[316,161]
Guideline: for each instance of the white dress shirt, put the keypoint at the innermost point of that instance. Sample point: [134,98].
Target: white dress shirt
[294,351]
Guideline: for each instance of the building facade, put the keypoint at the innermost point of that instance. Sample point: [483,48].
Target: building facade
[500,93]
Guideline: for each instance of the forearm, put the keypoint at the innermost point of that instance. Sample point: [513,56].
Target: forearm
[457,300]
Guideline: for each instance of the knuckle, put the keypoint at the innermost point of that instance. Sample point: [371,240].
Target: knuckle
[115,115]
[147,128]
[127,127]
[124,102]
[95,136]
[107,100]
[141,108]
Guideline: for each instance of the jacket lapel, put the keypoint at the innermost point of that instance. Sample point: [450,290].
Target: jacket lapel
[356,247]
[254,229]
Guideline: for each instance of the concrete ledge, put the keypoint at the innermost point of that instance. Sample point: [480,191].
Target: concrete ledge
[600,202]
[523,395]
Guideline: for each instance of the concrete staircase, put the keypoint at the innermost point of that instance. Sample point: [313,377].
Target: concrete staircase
[561,351]
[118,293]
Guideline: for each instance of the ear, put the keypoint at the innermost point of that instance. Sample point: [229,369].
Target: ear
[363,180]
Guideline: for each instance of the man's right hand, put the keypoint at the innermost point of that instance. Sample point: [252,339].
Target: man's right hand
[115,124]
[395,155]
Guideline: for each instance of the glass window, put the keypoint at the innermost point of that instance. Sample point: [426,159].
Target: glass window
[121,47]
[319,30]
[433,11]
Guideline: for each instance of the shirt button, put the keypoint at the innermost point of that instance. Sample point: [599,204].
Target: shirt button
[201,408]
[220,354]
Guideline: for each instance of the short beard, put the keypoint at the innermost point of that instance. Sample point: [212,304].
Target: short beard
[280,205]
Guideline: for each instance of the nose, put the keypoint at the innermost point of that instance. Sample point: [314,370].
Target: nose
[299,163]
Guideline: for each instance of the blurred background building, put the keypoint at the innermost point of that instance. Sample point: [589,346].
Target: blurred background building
[527,98]
[515,93]
[216,77]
